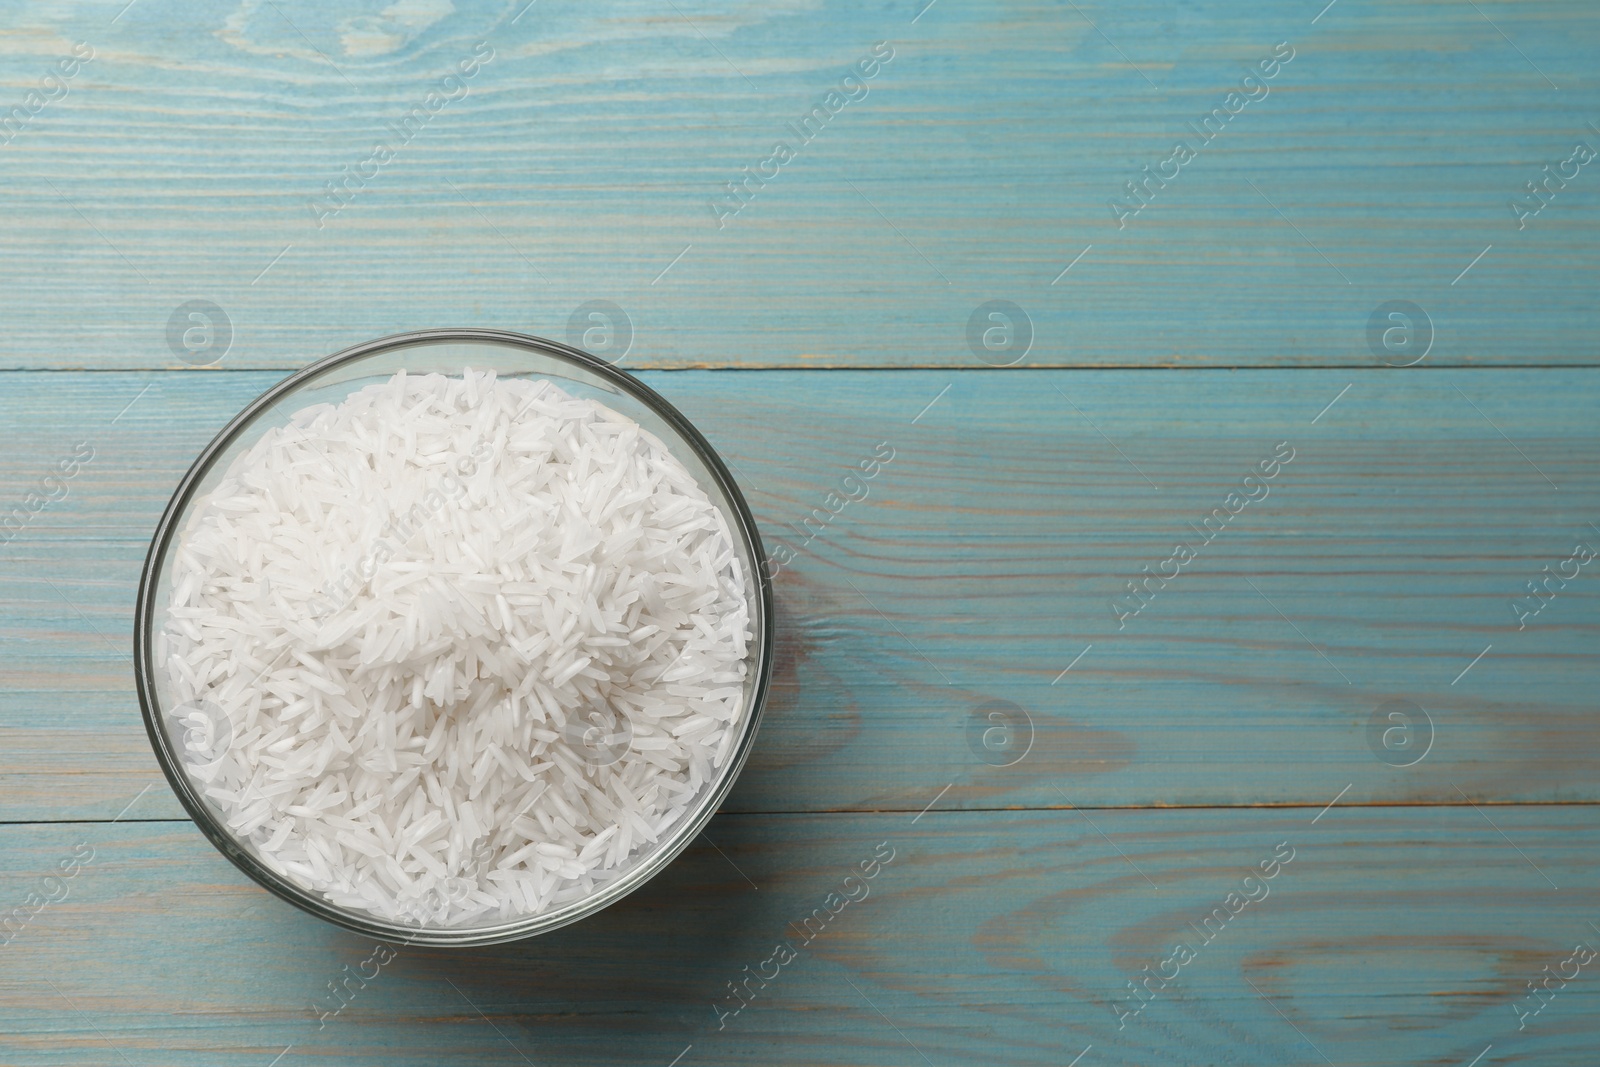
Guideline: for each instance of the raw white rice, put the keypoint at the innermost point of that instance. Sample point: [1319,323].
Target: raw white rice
[455,650]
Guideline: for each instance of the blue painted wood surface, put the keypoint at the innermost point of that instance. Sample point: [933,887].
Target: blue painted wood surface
[184,159]
[1153,358]
[1401,934]
[994,543]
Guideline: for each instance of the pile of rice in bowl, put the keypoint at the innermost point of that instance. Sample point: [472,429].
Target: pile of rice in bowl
[453,650]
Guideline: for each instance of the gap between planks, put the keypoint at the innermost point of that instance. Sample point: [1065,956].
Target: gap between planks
[896,368]
[1277,806]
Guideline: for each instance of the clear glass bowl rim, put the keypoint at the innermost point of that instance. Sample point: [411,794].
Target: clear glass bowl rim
[744,528]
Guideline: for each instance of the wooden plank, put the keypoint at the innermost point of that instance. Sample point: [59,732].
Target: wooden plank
[981,564]
[1396,936]
[981,163]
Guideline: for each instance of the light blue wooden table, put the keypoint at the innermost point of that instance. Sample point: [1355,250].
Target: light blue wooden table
[1370,268]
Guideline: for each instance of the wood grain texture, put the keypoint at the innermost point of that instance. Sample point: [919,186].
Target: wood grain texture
[981,162]
[948,645]
[1393,936]
[982,562]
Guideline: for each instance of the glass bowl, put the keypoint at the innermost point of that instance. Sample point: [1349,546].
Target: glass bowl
[450,352]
